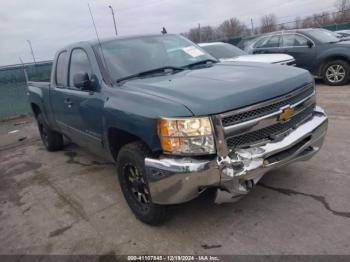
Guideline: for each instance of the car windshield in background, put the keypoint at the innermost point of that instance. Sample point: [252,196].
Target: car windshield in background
[222,51]
[322,35]
[335,34]
[343,33]
[132,56]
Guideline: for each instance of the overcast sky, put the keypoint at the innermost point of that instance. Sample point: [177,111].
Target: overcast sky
[51,24]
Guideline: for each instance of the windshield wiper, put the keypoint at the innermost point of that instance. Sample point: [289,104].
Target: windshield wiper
[203,62]
[165,69]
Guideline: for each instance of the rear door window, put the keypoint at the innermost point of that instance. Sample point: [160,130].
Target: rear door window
[295,40]
[60,76]
[260,42]
[273,41]
[269,42]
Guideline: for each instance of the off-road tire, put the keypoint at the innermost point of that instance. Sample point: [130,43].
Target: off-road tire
[133,156]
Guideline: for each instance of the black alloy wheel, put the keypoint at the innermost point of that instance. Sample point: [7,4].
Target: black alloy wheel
[137,186]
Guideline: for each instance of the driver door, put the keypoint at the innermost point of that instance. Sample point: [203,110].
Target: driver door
[84,107]
[297,46]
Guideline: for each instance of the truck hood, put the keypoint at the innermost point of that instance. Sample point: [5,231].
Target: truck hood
[224,86]
[260,58]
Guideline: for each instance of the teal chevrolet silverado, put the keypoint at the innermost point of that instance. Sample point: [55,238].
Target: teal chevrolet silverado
[176,122]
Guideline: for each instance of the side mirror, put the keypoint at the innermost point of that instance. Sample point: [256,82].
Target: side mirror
[309,43]
[83,82]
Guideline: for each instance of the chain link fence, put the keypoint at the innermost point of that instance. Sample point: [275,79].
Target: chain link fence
[336,27]
[13,91]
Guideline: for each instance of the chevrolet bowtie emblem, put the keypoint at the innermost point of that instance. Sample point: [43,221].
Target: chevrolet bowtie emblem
[286,114]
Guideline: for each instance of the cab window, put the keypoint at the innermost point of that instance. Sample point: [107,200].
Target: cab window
[60,75]
[79,63]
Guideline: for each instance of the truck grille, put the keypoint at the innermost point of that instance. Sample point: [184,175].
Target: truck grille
[270,132]
[265,110]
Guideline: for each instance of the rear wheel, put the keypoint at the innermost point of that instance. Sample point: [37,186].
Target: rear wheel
[134,184]
[52,140]
[336,73]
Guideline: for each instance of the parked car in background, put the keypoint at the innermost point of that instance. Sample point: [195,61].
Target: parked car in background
[343,33]
[316,50]
[176,122]
[246,41]
[229,53]
[339,36]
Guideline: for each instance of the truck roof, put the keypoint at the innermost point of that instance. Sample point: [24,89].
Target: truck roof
[95,41]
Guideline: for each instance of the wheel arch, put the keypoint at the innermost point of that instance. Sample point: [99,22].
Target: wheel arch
[117,138]
[36,109]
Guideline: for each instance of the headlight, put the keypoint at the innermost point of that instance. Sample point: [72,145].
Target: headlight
[186,135]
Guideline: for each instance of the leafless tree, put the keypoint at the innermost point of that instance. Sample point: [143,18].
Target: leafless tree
[208,34]
[298,22]
[323,19]
[268,23]
[343,7]
[308,22]
[193,34]
[232,28]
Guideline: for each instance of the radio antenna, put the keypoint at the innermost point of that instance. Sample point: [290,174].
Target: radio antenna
[24,71]
[93,22]
[98,38]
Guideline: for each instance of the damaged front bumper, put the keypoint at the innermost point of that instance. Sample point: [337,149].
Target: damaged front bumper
[176,180]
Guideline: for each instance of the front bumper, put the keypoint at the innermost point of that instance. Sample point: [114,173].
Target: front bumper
[176,180]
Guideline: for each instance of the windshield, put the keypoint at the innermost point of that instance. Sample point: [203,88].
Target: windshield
[130,56]
[323,35]
[222,51]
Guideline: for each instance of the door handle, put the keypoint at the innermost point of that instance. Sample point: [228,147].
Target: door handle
[68,102]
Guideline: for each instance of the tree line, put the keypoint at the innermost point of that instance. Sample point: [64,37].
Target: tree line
[233,27]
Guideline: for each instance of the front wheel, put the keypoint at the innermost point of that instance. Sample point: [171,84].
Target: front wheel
[134,184]
[336,73]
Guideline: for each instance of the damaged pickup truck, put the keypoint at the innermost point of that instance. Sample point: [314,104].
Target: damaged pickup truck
[176,122]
